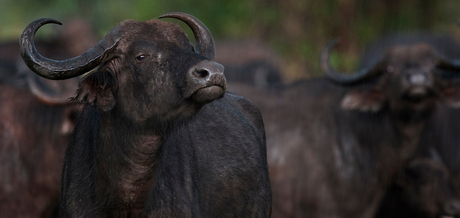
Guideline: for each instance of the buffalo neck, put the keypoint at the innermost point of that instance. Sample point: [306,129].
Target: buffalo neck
[410,134]
[410,124]
[126,161]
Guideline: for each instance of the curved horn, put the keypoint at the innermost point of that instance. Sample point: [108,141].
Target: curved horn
[343,78]
[57,70]
[448,63]
[47,91]
[204,41]
[56,93]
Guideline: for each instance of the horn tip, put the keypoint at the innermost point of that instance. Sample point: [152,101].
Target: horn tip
[171,15]
[44,21]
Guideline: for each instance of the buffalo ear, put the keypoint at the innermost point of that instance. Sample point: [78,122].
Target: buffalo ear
[363,100]
[97,89]
[71,114]
[451,95]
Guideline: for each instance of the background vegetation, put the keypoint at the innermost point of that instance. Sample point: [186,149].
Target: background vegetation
[297,29]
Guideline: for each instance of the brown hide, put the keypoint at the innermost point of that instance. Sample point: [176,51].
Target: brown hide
[33,139]
[37,120]
[327,161]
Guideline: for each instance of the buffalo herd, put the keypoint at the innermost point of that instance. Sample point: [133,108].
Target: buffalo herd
[145,124]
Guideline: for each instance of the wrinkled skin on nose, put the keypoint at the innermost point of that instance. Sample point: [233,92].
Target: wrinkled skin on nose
[206,81]
[417,83]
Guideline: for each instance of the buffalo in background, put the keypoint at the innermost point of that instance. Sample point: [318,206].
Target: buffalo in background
[432,190]
[422,189]
[336,144]
[37,120]
[250,62]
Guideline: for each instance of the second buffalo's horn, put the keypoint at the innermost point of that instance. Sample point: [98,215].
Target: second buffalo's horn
[340,77]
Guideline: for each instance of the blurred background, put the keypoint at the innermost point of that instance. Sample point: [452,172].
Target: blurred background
[296,30]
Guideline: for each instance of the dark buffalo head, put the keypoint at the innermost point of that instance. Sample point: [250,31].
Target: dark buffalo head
[145,70]
[426,185]
[408,77]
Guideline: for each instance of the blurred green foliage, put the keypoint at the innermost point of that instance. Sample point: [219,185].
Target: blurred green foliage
[297,29]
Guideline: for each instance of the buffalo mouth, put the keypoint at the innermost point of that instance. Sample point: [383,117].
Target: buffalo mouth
[208,93]
[418,94]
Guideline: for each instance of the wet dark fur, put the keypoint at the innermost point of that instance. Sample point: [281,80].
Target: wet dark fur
[145,147]
[210,166]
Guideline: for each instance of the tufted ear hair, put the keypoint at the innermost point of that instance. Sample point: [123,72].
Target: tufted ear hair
[365,100]
[451,95]
[97,89]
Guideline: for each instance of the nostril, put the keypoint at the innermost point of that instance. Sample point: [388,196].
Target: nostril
[201,73]
[417,78]
[206,73]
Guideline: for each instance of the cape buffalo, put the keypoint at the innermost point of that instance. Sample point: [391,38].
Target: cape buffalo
[335,144]
[158,136]
[440,133]
[445,138]
[37,121]
[36,124]
[423,189]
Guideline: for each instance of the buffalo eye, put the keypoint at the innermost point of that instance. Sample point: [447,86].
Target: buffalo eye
[390,69]
[141,57]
